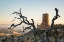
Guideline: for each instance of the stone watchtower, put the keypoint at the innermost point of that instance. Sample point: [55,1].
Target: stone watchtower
[45,22]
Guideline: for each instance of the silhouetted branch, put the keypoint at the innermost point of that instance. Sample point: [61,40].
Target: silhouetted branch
[27,28]
[55,17]
[10,26]
[17,25]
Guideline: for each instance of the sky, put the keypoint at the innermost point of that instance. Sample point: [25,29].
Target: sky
[32,9]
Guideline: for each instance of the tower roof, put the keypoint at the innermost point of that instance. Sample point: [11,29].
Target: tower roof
[45,14]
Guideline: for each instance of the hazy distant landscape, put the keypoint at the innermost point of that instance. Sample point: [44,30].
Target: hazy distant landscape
[4,27]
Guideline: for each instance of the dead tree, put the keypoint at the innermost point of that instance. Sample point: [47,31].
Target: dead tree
[54,18]
[28,23]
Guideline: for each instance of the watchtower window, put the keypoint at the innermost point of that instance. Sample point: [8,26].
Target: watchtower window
[45,21]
